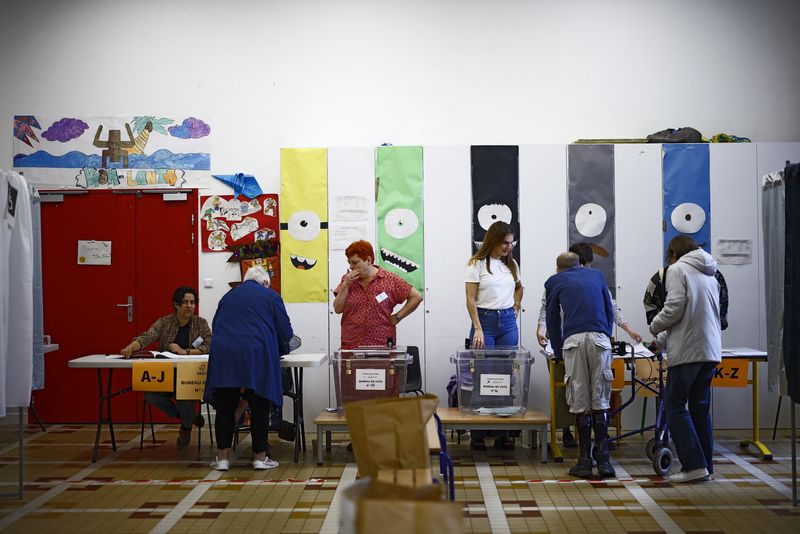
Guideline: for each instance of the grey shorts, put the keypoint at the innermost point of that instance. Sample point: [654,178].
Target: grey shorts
[587,361]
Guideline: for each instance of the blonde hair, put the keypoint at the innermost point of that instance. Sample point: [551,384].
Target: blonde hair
[495,235]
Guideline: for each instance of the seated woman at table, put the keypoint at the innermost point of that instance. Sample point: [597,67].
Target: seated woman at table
[182,333]
[252,332]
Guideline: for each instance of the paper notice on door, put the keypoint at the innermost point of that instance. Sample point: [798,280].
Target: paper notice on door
[734,251]
[370,379]
[94,252]
[350,208]
[342,234]
[495,384]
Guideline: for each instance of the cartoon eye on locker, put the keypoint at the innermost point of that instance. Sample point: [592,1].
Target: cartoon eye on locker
[590,219]
[688,218]
[305,226]
[491,213]
[401,223]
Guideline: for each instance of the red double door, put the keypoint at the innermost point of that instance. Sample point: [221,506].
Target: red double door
[97,309]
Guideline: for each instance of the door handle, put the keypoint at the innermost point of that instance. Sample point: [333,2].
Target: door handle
[129,305]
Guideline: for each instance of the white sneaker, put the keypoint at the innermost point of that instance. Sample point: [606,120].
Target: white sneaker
[220,465]
[266,463]
[699,474]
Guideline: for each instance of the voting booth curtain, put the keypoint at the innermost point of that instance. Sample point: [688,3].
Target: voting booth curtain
[16,292]
[781,224]
[791,295]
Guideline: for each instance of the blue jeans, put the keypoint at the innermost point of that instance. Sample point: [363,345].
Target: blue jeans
[691,430]
[499,329]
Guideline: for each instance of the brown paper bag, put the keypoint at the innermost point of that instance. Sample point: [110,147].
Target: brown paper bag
[389,434]
[405,517]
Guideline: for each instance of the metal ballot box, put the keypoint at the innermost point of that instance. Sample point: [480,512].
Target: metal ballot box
[493,381]
[364,373]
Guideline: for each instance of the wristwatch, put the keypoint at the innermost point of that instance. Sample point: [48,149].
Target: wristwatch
[397,318]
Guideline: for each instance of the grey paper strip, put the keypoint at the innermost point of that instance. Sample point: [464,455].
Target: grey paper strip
[591,213]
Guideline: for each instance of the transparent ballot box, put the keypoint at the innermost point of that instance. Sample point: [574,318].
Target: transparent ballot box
[493,381]
[364,373]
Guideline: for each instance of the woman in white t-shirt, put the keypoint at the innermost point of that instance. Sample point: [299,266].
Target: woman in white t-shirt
[494,290]
[494,294]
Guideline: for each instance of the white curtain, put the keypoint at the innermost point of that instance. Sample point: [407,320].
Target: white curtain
[16,292]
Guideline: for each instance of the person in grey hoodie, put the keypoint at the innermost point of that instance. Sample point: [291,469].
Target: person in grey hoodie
[689,329]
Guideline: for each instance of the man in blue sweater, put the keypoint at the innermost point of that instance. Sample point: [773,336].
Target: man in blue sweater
[580,317]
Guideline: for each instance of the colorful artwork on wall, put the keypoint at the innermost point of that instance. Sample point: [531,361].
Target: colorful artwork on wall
[134,151]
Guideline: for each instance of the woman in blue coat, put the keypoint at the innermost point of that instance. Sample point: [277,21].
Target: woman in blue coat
[251,332]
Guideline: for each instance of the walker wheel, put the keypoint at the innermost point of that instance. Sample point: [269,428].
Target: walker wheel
[650,448]
[662,461]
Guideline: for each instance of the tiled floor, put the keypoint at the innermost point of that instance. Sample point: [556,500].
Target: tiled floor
[161,489]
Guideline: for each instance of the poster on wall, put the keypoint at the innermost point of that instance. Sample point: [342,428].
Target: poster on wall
[304,224]
[398,173]
[687,193]
[590,201]
[250,226]
[495,192]
[112,152]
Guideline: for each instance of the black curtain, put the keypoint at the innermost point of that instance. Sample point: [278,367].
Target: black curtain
[791,295]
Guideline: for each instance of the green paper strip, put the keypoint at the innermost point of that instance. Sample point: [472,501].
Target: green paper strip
[398,206]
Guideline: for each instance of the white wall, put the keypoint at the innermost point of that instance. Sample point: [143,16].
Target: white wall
[272,74]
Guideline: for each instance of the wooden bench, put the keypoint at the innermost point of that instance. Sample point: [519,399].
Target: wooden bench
[533,420]
[328,422]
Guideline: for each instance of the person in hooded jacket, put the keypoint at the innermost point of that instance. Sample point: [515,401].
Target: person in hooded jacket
[688,329]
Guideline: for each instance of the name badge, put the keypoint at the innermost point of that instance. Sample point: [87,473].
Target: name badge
[197,342]
[381,297]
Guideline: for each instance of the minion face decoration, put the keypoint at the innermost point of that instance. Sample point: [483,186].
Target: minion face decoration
[399,211]
[687,193]
[591,210]
[495,191]
[304,226]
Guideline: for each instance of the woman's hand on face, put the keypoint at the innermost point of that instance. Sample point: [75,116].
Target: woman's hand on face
[350,277]
[477,340]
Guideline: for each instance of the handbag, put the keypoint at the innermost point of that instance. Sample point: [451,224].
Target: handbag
[287,431]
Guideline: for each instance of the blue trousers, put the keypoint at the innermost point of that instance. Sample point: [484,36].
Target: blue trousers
[691,430]
[499,327]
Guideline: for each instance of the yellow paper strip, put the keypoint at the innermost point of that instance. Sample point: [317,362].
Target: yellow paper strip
[304,224]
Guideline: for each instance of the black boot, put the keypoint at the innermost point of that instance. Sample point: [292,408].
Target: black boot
[583,469]
[567,439]
[601,454]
